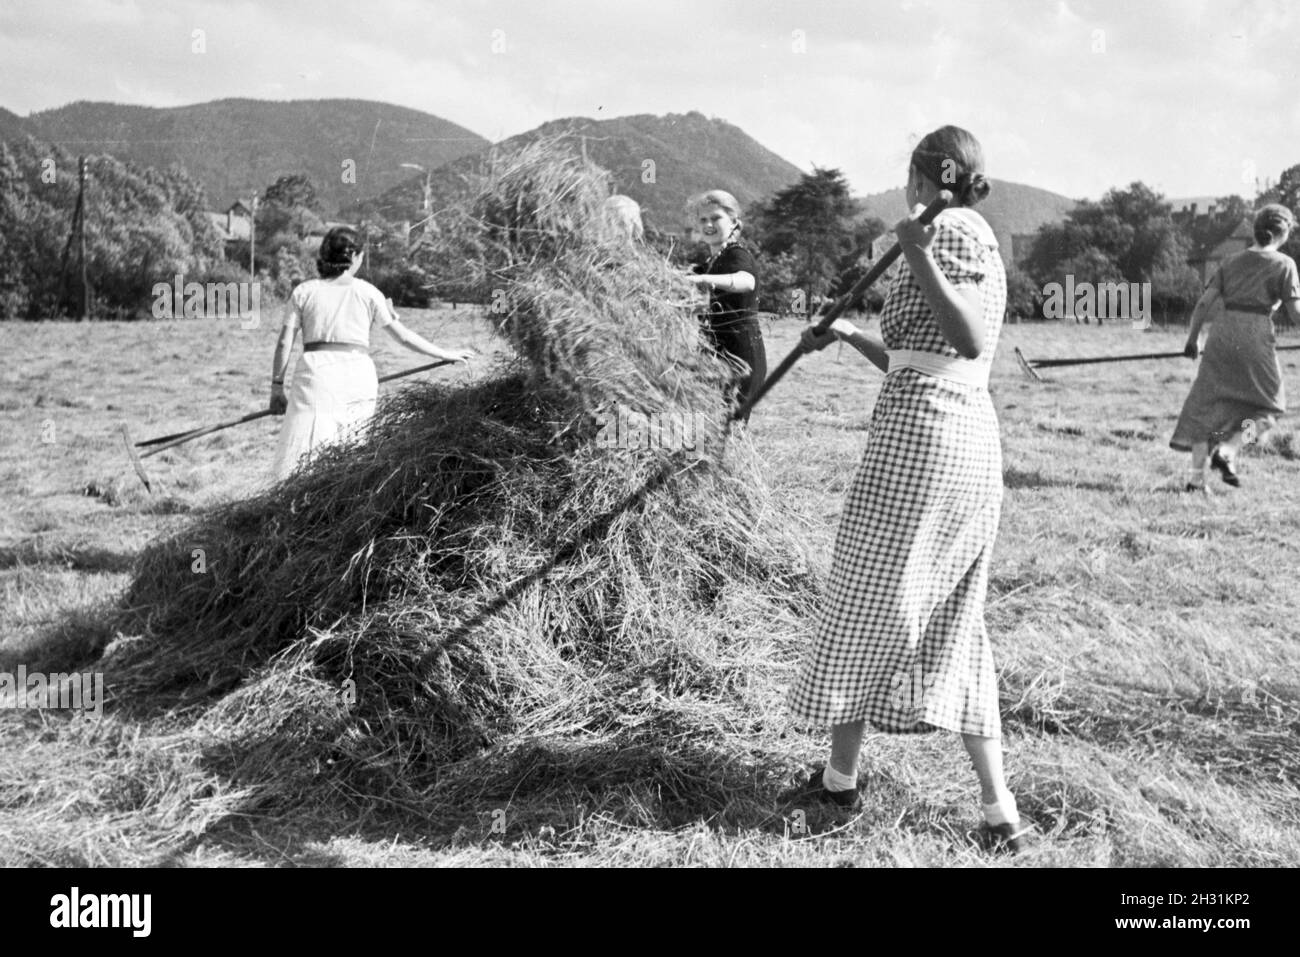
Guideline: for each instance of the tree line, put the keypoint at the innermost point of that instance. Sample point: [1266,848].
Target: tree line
[810,238]
[812,242]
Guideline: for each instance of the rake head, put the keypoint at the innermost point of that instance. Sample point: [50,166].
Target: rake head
[1026,367]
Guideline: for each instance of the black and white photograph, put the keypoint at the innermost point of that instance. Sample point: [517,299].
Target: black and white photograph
[750,434]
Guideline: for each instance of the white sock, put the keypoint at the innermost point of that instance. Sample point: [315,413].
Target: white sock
[1003,810]
[1195,476]
[832,780]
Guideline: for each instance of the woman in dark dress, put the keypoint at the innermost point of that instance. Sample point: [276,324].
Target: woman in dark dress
[731,277]
[1240,379]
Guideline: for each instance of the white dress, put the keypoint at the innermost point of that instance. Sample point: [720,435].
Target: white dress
[333,393]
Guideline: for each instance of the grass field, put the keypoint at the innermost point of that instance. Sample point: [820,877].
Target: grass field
[1147,640]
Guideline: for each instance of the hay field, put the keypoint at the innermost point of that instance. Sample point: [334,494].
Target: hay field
[1147,639]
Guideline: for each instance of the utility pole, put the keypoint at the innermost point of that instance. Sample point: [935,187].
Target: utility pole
[81,241]
[428,197]
[252,237]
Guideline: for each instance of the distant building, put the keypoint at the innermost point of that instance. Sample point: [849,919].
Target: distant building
[234,224]
[1207,259]
[1193,206]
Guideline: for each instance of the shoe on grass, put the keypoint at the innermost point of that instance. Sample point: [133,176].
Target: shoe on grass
[1226,469]
[1009,838]
[815,789]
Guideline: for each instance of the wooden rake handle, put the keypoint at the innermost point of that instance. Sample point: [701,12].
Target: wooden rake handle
[829,313]
[1138,357]
[162,443]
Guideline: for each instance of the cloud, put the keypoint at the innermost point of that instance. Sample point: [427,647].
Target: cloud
[1180,91]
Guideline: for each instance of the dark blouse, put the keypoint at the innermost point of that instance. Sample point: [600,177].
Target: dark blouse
[1257,279]
[732,308]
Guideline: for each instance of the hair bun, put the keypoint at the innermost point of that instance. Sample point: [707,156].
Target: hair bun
[974,189]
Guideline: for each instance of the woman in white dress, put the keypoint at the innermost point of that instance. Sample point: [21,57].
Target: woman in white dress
[334,384]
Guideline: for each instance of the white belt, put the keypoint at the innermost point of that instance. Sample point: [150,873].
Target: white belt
[956,369]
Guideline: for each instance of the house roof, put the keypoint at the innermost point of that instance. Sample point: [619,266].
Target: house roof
[1241,236]
[238,225]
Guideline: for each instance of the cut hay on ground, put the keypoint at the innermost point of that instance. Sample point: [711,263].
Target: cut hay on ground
[477,573]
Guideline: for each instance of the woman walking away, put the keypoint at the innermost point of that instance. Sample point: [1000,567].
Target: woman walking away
[900,640]
[1239,381]
[731,276]
[334,383]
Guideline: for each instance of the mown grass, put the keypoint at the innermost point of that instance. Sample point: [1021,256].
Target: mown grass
[1146,639]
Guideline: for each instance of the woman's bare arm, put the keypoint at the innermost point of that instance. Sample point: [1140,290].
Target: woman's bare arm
[417,343]
[727,282]
[280,367]
[1292,307]
[873,347]
[1200,315]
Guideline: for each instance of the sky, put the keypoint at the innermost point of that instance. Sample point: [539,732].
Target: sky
[1192,97]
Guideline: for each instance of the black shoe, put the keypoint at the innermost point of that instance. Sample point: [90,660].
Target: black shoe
[816,790]
[1225,469]
[1011,838]
[1193,487]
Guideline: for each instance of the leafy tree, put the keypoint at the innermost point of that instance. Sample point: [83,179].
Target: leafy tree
[1233,208]
[856,263]
[141,228]
[779,291]
[290,191]
[395,268]
[1128,236]
[188,198]
[1175,289]
[288,208]
[813,221]
[1090,265]
[1024,297]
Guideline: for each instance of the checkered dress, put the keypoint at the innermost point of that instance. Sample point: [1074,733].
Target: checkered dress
[900,639]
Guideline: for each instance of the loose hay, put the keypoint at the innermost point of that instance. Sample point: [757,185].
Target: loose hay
[382,615]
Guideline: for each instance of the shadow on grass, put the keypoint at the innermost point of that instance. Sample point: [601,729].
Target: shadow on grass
[610,801]
[1018,478]
[73,643]
[78,558]
[563,798]
[1248,735]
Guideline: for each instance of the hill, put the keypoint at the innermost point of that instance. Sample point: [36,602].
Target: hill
[12,126]
[1010,208]
[236,147]
[690,153]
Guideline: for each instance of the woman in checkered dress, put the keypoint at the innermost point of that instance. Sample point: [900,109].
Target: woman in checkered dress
[900,640]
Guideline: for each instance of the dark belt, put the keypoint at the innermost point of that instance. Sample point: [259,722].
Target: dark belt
[1254,309]
[334,347]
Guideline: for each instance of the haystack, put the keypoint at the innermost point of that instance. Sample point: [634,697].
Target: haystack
[477,572]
